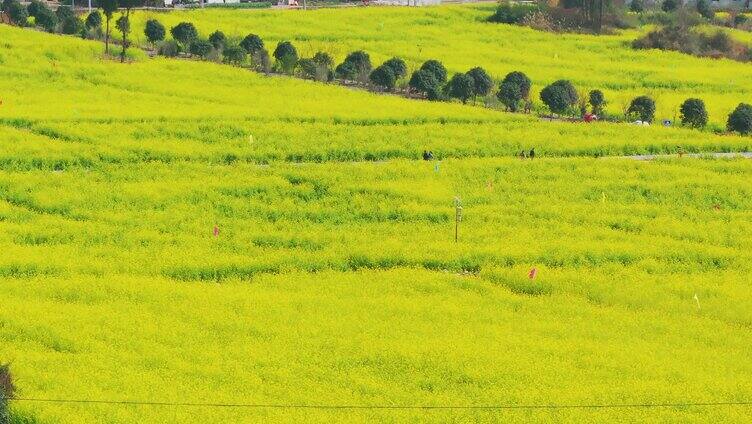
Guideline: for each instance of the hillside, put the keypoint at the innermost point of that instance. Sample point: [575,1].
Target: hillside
[184,232]
[459,37]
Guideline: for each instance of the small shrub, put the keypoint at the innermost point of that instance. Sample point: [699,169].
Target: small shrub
[514,88]
[425,82]
[218,39]
[154,31]
[46,19]
[65,12]
[234,54]
[693,113]
[560,96]
[461,87]
[437,69]
[17,13]
[94,20]
[704,9]
[252,43]
[184,33]
[669,5]
[398,67]
[482,82]
[383,77]
[201,48]
[597,101]
[512,13]
[740,120]
[169,48]
[71,25]
[642,108]
[262,62]
[286,56]
[355,67]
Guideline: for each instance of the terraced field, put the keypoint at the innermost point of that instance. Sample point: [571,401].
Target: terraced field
[184,232]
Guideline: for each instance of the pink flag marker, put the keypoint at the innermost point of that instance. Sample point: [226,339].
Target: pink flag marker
[533,272]
[216,231]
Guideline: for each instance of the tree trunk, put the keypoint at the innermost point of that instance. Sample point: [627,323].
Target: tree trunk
[107,37]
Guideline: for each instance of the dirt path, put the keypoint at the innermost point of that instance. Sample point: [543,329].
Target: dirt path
[747,155]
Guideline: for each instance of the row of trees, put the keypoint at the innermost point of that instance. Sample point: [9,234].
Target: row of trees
[430,80]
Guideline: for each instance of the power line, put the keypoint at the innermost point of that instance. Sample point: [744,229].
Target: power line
[393,407]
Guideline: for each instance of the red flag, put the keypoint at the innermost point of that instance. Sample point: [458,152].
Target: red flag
[533,272]
[216,231]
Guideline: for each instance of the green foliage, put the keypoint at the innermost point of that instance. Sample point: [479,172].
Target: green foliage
[169,48]
[642,108]
[218,39]
[17,13]
[425,82]
[597,101]
[65,12]
[286,56]
[45,18]
[383,76]
[34,7]
[704,9]
[482,82]
[234,54]
[740,120]
[262,62]
[435,68]
[507,13]
[398,67]
[184,33]
[324,59]
[154,31]
[71,25]
[201,48]
[252,43]
[94,21]
[356,67]
[560,96]
[669,5]
[637,6]
[109,7]
[461,87]
[693,113]
[513,90]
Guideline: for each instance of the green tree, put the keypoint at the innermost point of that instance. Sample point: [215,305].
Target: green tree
[17,13]
[482,82]
[597,101]
[693,113]
[643,108]
[383,77]
[72,25]
[560,96]
[94,21]
[669,5]
[740,120]
[234,54]
[154,31]
[356,67]
[201,48]
[704,9]
[34,7]
[252,43]
[109,7]
[637,6]
[123,24]
[286,56]
[437,69]
[184,33]
[461,86]
[45,18]
[218,39]
[398,67]
[425,82]
[514,88]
